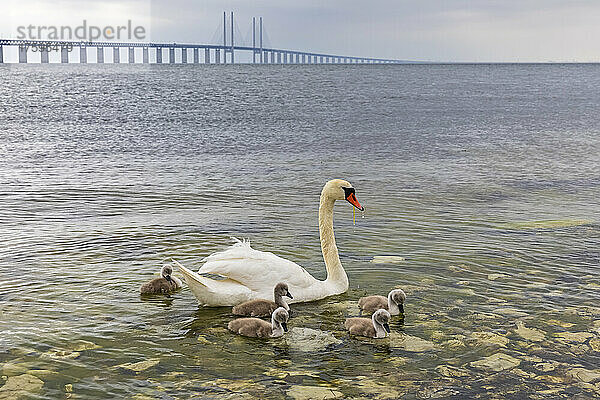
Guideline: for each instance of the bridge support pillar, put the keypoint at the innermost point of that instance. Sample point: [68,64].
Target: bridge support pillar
[207,56]
[44,55]
[116,55]
[145,55]
[99,55]
[278,58]
[264,59]
[131,55]
[196,56]
[171,55]
[159,55]
[184,56]
[82,54]
[64,55]
[217,56]
[1,55]
[22,54]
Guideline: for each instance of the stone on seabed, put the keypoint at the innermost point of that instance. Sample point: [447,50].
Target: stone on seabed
[496,362]
[490,338]
[20,387]
[307,339]
[576,337]
[535,335]
[313,393]
[584,375]
[139,366]
[387,260]
[409,343]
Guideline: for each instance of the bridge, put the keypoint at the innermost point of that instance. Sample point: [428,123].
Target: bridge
[153,52]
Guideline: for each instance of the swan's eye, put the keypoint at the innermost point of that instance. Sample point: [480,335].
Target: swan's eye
[348,191]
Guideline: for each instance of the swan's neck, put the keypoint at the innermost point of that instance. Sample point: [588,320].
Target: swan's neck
[336,276]
[379,329]
[280,302]
[276,327]
[392,306]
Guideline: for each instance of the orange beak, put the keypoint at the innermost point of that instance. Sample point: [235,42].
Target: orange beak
[351,198]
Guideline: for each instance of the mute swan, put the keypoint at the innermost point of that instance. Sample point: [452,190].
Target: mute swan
[249,274]
[377,327]
[165,284]
[394,302]
[264,308]
[255,327]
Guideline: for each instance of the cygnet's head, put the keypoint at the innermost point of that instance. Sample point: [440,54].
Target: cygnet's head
[166,272]
[398,296]
[281,289]
[281,315]
[382,317]
[339,189]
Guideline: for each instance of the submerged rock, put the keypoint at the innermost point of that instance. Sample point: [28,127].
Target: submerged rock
[450,371]
[285,373]
[409,343]
[496,362]
[58,354]
[387,260]
[562,324]
[16,367]
[82,345]
[545,367]
[43,374]
[490,338]
[584,375]
[574,337]
[313,392]
[139,366]
[435,392]
[374,389]
[535,335]
[20,386]
[307,339]
[545,224]
[202,339]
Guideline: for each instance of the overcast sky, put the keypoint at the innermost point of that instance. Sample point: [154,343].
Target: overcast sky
[436,30]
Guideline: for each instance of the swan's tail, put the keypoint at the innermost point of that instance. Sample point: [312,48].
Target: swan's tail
[210,292]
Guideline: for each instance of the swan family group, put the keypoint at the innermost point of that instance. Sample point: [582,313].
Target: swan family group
[245,277]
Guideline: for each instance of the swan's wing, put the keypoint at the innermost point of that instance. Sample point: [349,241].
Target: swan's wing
[258,270]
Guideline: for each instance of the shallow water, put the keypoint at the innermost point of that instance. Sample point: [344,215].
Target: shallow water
[484,178]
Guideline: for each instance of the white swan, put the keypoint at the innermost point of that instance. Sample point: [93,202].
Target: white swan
[248,274]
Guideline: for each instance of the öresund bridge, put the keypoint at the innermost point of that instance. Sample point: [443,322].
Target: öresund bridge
[152,52]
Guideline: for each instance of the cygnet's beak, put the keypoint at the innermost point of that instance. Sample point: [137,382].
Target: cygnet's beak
[168,278]
[386,327]
[284,326]
[288,294]
[351,198]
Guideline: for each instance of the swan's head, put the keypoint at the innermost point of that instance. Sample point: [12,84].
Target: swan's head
[339,189]
[282,290]
[281,315]
[382,317]
[166,271]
